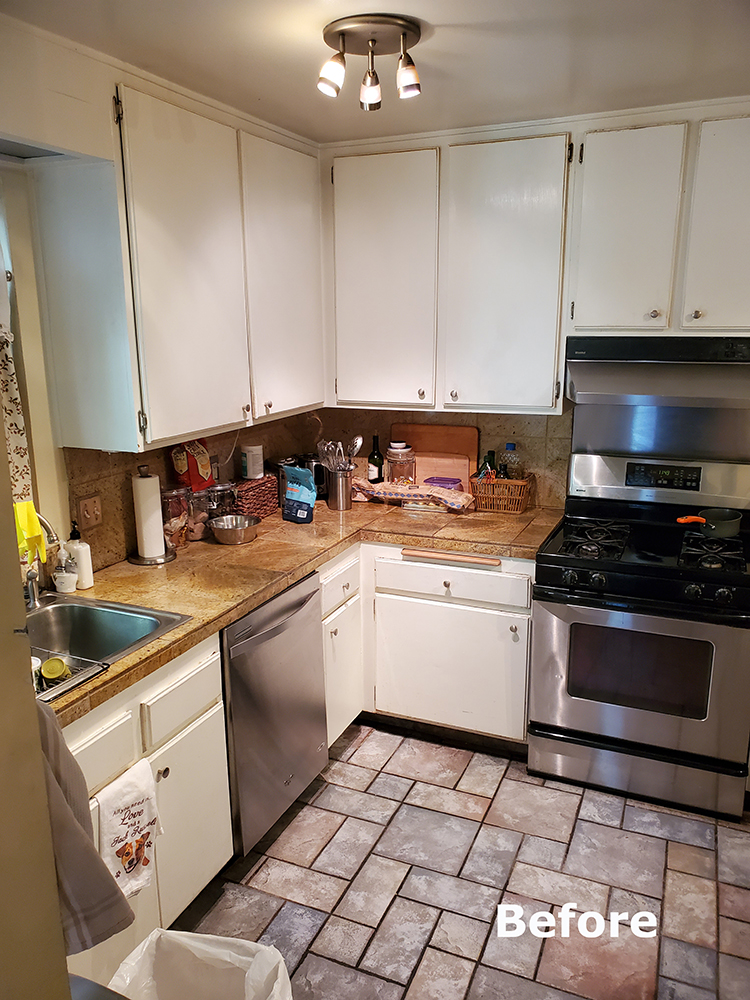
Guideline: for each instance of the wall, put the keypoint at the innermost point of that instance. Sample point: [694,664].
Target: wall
[543,442]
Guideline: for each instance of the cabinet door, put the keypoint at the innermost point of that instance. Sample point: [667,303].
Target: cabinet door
[385,208]
[505,233]
[452,665]
[184,210]
[631,196]
[281,189]
[716,283]
[192,793]
[342,660]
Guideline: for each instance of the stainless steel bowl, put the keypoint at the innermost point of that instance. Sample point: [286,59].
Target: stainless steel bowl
[234,529]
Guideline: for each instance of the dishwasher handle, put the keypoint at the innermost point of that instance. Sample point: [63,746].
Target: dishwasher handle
[272,631]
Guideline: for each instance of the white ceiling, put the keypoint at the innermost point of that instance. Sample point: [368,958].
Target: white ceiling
[481,62]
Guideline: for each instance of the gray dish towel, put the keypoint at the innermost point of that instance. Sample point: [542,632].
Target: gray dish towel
[92,906]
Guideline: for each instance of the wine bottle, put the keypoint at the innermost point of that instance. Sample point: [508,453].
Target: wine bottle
[375,462]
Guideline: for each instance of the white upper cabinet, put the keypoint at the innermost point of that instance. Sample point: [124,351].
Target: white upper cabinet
[184,212]
[506,204]
[717,288]
[281,197]
[632,181]
[385,222]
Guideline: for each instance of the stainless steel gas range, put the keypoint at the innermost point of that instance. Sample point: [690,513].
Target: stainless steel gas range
[640,663]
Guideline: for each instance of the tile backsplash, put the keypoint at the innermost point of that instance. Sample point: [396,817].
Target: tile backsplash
[543,444]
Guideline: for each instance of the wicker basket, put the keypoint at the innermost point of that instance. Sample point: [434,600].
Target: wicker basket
[259,497]
[509,496]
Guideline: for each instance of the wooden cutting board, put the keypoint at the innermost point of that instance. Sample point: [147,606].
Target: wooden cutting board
[443,439]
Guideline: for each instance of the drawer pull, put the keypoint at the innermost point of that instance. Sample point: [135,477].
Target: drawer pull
[454,557]
[514,628]
[447,584]
[346,586]
[162,774]
[334,631]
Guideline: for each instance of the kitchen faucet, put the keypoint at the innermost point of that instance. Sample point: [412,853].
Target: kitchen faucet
[32,577]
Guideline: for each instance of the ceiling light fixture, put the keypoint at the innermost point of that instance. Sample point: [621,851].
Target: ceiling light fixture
[360,35]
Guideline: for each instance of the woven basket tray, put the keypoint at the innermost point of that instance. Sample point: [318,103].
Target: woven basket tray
[259,497]
[509,496]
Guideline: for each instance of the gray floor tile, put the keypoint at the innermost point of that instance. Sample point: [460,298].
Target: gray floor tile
[300,885]
[450,893]
[492,855]
[622,901]
[459,935]
[542,812]
[375,750]
[517,772]
[563,786]
[430,762]
[601,807]
[400,940]
[688,963]
[558,887]
[440,977]
[371,892]
[734,978]
[349,742]
[353,803]
[670,989]
[542,853]
[391,786]
[348,848]
[342,940]
[448,800]
[698,832]
[240,912]
[320,979]
[340,772]
[734,856]
[429,839]
[292,930]
[618,857]
[494,984]
[518,955]
[305,837]
[483,775]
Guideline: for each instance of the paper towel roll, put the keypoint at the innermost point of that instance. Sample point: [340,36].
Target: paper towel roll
[148,523]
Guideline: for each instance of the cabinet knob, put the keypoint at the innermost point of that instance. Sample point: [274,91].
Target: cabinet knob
[334,631]
[696,314]
[162,773]
[420,393]
[454,395]
[246,408]
[514,628]
[269,404]
[346,586]
[447,584]
[655,313]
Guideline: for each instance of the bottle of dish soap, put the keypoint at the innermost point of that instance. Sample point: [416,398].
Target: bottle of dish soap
[81,552]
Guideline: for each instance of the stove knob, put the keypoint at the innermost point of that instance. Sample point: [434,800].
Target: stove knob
[724,595]
[693,591]
[569,577]
[598,580]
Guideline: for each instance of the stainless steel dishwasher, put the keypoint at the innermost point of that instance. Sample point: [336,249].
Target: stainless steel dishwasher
[276,717]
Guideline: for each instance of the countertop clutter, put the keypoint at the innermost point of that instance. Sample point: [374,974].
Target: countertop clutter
[217,584]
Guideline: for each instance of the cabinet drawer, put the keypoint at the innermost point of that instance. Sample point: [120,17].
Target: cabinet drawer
[107,753]
[177,705]
[339,586]
[450,580]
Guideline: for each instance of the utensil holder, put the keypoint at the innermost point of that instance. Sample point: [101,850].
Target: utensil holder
[339,487]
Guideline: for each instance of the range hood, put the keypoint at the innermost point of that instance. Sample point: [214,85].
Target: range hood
[664,371]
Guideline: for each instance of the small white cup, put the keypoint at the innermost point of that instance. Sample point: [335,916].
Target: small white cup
[65,583]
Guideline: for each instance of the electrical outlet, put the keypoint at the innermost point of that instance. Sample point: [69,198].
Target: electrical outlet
[89,512]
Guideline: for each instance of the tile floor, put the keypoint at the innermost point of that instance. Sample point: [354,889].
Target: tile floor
[383,882]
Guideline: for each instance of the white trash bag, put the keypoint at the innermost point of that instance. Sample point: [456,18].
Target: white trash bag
[177,965]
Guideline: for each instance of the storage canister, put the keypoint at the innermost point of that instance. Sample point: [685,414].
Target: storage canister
[401,463]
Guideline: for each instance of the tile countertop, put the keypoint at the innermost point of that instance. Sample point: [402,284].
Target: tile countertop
[217,584]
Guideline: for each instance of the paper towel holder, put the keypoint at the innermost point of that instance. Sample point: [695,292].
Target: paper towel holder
[169,555]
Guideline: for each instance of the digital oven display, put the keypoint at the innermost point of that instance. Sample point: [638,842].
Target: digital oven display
[672,477]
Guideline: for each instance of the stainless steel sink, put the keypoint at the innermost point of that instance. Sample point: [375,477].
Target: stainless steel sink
[90,634]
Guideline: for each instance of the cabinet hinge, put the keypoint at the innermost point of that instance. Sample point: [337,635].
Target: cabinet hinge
[117,108]
[557,389]
[331,174]
[580,154]
[336,385]
[572,309]
[142,421]
[570,152]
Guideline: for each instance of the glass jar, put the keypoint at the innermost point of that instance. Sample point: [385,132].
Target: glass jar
[215,501]
[174,514]
[401,463]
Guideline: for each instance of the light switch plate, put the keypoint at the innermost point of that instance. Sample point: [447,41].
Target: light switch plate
[89,512]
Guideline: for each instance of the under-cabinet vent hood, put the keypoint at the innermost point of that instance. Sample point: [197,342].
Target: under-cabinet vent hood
[646,371]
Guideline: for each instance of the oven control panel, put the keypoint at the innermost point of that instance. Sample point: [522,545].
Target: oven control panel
[673,477]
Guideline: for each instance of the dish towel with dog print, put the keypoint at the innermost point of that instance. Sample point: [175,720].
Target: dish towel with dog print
[128,824]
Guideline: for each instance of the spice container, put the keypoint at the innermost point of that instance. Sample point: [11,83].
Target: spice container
[174,515]
[402,463]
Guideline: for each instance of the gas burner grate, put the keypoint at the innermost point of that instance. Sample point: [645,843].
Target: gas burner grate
[595,539]
[713,554]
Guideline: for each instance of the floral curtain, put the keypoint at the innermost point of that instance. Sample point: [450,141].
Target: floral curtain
[13,419]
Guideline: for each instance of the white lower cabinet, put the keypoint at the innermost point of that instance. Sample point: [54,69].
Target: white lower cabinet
[342,660]
[452,664]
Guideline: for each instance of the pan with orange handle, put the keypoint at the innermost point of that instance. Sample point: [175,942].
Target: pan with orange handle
[716,522]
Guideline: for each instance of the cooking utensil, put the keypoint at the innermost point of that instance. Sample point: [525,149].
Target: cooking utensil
[234,529]
[354,445]
[339,460]
[715,522]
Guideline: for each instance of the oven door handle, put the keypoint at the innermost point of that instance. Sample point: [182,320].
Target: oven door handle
[633,605]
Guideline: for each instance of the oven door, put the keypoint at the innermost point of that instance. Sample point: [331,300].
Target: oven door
[682,685]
